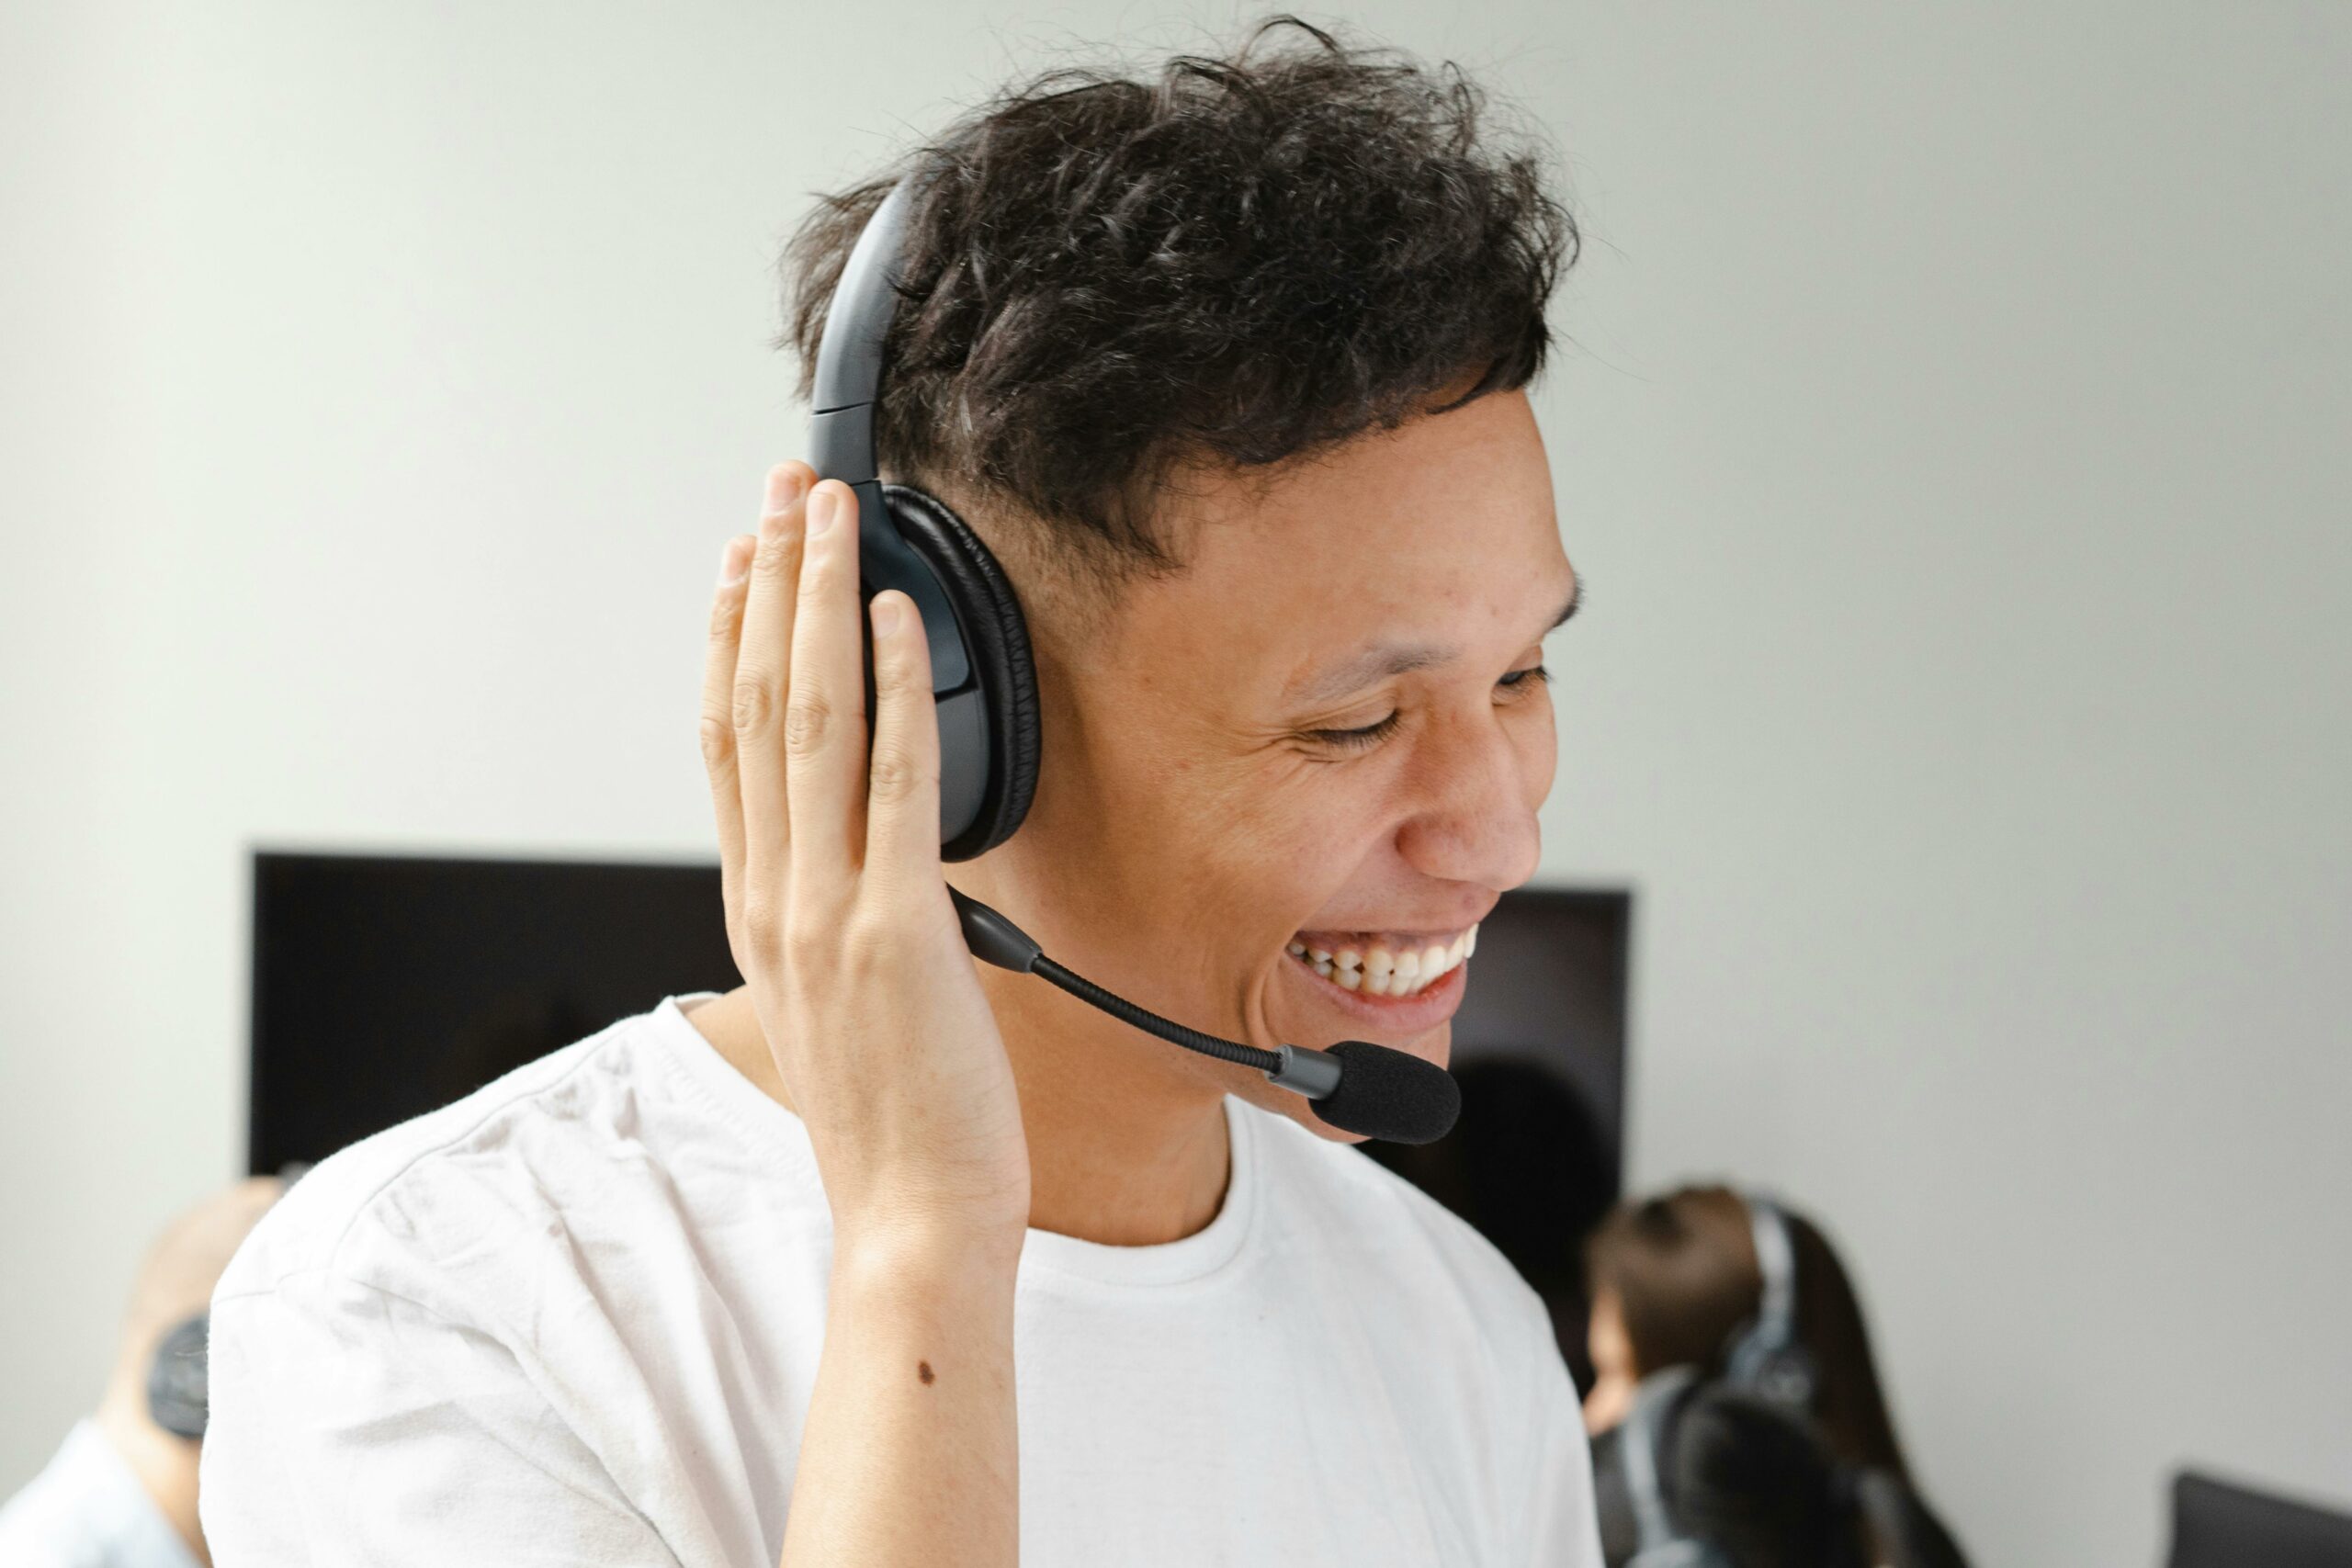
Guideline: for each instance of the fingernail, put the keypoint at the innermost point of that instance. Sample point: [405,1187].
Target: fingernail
[821,506]
[784,488]
[735,561]
[886,617]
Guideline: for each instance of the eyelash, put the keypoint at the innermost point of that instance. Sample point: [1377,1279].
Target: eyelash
[1357,739]
[1372,734]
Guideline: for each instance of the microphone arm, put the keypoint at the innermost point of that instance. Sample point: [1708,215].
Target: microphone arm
[995,940]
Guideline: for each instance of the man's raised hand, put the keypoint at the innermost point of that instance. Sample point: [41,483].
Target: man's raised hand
[836,907]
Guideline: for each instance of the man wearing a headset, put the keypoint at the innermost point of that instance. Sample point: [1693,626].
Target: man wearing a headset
[882,1259]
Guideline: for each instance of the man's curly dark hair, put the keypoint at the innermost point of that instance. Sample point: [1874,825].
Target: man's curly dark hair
[1237,261]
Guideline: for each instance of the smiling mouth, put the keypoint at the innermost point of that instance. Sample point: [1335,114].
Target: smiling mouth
[1384,968]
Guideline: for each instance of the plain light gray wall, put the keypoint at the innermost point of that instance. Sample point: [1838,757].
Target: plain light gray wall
[1953,432]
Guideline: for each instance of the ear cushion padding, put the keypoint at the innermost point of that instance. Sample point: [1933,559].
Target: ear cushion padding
[998,639]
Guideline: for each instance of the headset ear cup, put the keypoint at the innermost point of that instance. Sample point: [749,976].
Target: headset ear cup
[1787,1378]
[1782,1370]
[996,634]
[177,1385]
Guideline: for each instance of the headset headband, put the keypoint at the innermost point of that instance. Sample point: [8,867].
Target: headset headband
[1776,1262]
[848,384]
[1766,1356]
[849,354]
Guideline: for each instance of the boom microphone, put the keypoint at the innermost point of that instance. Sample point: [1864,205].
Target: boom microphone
[1355,1086]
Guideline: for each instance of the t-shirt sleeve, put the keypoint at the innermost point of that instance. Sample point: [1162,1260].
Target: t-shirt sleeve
[1564,1532]
[350,1426]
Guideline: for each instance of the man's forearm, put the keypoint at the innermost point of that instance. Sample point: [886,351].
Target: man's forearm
[911,1454]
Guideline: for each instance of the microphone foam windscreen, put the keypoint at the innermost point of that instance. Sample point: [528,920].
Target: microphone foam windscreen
[1389,1095]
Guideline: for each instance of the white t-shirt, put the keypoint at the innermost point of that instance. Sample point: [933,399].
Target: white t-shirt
[88,1509]
[575,1318]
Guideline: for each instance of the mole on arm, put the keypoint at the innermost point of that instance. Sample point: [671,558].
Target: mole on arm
[923,1369]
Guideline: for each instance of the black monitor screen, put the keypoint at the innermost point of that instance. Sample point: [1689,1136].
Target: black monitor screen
[385,987]
[2218,1524]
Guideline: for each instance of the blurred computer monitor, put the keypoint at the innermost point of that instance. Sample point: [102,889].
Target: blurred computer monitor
[2216,1524]
[1549,991]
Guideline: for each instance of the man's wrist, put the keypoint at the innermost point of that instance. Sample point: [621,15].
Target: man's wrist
[925,1256]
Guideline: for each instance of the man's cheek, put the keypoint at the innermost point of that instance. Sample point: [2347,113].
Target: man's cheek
[1539,754]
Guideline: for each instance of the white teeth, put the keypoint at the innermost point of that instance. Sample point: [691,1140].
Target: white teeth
[1377,972]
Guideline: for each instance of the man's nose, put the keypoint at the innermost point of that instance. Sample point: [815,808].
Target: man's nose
[1475,820]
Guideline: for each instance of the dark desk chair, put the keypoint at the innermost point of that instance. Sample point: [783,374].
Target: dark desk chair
[2216,1525]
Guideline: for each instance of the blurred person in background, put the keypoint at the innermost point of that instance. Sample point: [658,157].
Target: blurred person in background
[121,1491]
[1752,1466]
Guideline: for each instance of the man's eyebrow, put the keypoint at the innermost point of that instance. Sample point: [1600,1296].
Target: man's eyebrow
[1576,599]
[1384,659]
[1378,662]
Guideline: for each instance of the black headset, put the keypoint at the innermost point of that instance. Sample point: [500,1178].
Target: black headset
[178,1384]
[982,674]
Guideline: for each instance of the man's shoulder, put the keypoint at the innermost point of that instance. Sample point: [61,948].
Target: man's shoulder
[443,1181]
[1335,1193]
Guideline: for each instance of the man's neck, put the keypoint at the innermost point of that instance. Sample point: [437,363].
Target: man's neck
[1127,1145]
